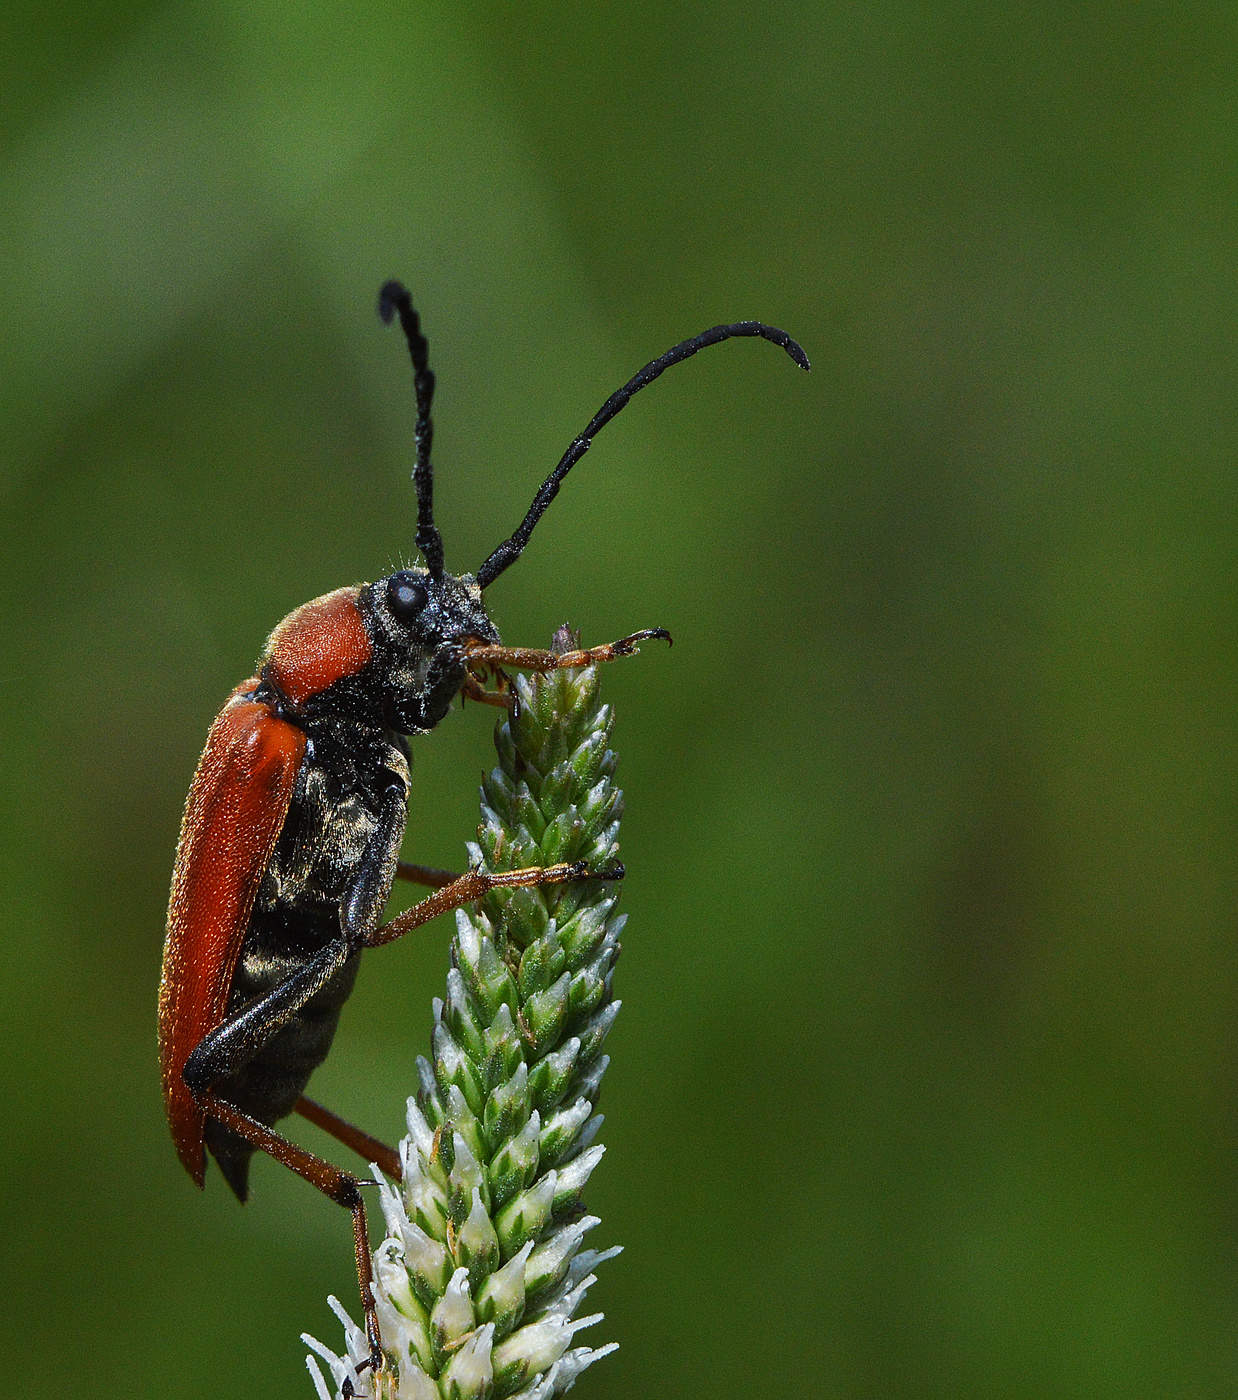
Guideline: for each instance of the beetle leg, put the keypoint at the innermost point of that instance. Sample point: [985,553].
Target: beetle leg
[339,1186]
[235,1043]
[368,1148]
[474,689]
[361,909]
[424,875]
[473,884]
[535,659]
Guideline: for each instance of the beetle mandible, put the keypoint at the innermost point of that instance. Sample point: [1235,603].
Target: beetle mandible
[291,836]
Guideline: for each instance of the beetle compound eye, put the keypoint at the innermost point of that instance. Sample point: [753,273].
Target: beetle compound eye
[406,597]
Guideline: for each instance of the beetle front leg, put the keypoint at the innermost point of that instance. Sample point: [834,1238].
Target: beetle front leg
[537,659]
[474,689]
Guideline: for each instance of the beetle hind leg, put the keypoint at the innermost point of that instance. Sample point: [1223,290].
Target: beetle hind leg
[339,1186]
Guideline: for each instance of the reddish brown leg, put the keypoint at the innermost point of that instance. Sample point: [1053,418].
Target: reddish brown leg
[535,659]
[365,1146]
[338,1186]
[472,885]
[424,875]
[473,689]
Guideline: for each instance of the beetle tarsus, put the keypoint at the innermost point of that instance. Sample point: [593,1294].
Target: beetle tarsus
[626,646]
[374,1363]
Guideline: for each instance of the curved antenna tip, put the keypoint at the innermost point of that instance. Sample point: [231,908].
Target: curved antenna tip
[509,551]
[392,295]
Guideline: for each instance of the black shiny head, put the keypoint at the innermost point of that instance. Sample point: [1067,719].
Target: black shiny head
[394,298]
[416,624]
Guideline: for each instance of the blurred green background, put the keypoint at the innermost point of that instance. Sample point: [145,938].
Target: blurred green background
[924,1083]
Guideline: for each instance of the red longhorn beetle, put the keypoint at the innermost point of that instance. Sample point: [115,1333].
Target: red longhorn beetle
[292,830]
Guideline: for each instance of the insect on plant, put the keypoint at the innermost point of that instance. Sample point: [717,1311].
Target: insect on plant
[290,842]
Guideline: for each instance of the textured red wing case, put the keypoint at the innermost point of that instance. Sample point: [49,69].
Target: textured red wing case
[236,807]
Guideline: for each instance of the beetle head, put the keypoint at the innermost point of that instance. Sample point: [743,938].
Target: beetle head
[393,652]
[417,625]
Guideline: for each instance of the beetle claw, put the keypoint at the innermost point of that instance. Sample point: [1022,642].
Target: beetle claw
[373,1363]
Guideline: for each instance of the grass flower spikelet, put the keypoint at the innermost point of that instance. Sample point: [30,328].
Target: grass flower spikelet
[482,1274]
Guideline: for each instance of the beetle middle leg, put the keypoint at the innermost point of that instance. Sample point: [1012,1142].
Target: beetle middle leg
[473,884]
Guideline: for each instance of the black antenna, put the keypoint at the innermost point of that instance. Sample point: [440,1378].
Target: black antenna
[394,297]
[509,551]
